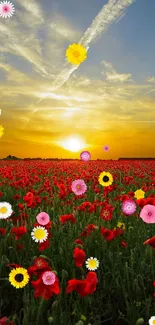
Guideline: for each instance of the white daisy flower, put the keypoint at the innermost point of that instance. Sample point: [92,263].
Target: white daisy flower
[39,234]
[5,210]
[7,9]
[152,320]
[92,264]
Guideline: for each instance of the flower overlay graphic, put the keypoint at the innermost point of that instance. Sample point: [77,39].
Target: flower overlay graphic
[76,53]
[7,9]
[79,187]
[39,234]
[147,214]
[48,278]
[129,207]
[43,218]
[152,320]
[106,148]
[105,179]
[85,156]
[92,264]
[5,210]
[19,277]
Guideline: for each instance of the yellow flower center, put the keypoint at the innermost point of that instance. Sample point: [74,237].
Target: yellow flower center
[92,264]
[78,187]
[48,278]
[3,210]
[105,213]
[76,54]
[153,322]
[39,234]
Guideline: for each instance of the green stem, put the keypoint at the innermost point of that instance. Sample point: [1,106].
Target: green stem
[39,311]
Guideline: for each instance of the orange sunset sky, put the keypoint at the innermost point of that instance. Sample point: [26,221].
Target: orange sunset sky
[108,100]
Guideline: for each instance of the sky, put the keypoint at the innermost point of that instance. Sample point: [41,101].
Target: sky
[108,100]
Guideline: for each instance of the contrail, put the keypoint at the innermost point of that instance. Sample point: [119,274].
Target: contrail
[110,13]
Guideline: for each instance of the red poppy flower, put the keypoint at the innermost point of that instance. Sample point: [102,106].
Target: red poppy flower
[83,287]
[87,231]
[106,212]
[123,243]
[150,241]
[19,231]
[45,291]
[67,217]
[13,265]
[2,231]
[39,265]
[79,241]
[44,245]
[79,256]
[5,321]
[20,206]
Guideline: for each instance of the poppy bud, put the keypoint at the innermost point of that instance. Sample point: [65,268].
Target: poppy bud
[50,320]
[140,321]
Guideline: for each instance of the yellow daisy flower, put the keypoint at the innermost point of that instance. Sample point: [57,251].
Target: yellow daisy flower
[139,194]
[39,234]
[19,277]
[76,53]
[105,179]
[1,131]
[5,210]
[92,264]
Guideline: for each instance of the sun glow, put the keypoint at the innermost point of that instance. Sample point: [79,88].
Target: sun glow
[73,144]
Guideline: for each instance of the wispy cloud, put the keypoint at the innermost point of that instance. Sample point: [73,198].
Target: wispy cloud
[112,75]
[33,8]
[151,79]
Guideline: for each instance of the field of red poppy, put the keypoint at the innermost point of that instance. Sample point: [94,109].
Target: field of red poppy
[77,258]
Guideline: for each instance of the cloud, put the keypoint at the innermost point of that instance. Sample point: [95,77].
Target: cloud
[33,9]
[61,28]
[151,79]
[112,75]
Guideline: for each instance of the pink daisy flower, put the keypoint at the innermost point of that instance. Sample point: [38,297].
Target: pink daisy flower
[43,218]
[85,156]
[48,278]
[147,214]
[7,9]
[129,207]
[106,148]
[79,187]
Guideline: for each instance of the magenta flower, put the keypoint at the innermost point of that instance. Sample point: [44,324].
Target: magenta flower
[148,213]
[129,207]
[85,156]
[48,278]
[43,218]
[106,148]
[79,187]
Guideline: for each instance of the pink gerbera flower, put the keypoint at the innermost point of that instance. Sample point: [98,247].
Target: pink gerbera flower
[148,213]
[7,9]
[129,207]
[106,148]
[85,155]
[48,278]
[79,187]
[43,218]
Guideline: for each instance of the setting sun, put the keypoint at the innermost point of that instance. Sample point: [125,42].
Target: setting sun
[73,144]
